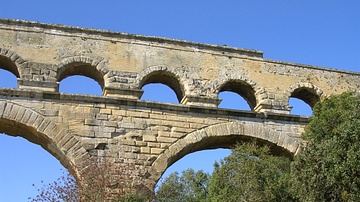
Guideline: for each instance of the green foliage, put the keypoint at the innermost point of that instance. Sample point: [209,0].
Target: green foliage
[328,169]
[250,173]
[191,186]
[134,196]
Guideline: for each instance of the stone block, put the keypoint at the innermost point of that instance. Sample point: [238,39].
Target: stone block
[2,107]
[93,122]
[166,139]
[145,150]
[177,134]
[163,133]
[153,144]
[156,150]
[149,138]
[105,111]
[110,123]
[137,114]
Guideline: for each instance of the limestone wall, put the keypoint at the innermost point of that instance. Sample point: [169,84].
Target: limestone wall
[42,55]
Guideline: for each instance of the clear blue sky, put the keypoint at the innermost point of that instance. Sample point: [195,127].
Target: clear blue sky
[323,33]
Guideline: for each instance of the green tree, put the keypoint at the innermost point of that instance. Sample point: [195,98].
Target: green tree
[191,186]
[328,169]
[250,173]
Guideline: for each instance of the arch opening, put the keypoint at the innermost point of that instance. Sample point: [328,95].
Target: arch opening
[241,88]
[225,135]
[227,142]
[26,164]
[159,93]
[198,160]
[16,129]
[222,142]
[77,84]
[299,107]
[231,100]
[81,69]
[308,95]
[7,79]
[166,78]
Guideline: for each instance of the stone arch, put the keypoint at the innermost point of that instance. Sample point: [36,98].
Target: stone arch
[243,86]
[225,135]
[11,62]
[306,92]
[85,66]
[16,120]
[162,74]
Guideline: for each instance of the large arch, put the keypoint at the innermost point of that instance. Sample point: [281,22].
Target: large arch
[162,74]
[16,120]
[84,66]
[226,135]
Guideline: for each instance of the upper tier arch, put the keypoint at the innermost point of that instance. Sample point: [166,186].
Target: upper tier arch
[162,74]
[241,87]
[85,66]
[306,92]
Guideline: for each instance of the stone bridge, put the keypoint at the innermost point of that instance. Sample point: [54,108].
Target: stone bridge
[150,135]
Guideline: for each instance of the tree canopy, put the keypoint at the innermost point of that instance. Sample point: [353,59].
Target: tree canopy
[328,168]
[191,186]
[250,173]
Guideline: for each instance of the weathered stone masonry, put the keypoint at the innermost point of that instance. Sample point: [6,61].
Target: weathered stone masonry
[151,135]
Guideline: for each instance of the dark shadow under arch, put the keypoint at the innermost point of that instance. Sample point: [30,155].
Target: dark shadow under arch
[7,64]
[167,78]
[243,89]
[308,95]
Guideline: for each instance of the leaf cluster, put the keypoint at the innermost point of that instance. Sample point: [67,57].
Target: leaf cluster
[191,186]
[253,172]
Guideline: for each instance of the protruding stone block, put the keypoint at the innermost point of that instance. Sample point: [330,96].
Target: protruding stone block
[200,101]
